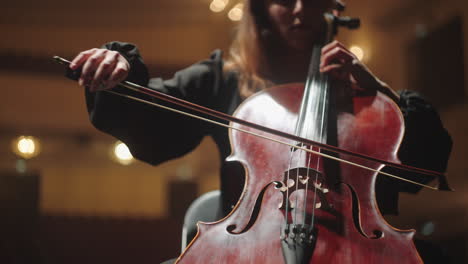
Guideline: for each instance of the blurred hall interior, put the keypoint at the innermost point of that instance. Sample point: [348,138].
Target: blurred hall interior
[73,203]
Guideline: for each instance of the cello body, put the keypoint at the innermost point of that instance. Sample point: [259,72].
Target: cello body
[339,200]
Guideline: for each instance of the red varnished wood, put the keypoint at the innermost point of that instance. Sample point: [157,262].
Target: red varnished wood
[374,127]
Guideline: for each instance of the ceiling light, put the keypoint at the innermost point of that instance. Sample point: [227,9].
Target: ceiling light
[235,14]
[358,51]
[122,153]
[218,5]
[26,147]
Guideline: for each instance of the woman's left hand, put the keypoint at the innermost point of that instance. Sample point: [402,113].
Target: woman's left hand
[344,66]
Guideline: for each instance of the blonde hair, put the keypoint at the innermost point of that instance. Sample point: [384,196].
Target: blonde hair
[247,54]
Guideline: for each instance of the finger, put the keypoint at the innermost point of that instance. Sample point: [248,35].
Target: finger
[81,58]
[90,67]
[105,68]
[332,45]
[119,74]
[367,81]
[337,71]
[337,54]
[362,76]
[331,67]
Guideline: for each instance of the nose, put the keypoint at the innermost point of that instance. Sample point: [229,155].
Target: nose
[298,7]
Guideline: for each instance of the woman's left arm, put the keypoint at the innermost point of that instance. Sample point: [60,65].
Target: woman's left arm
[426,143]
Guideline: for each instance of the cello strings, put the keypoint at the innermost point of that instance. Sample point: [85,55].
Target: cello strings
[304,211]
[274,140]
[317,89]
[322,134]
[291,152]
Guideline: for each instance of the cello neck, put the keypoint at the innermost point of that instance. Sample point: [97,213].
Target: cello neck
[313,115]
[313,119]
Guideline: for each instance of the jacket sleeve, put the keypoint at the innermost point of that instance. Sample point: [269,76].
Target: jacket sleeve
[426,144]
[155,135]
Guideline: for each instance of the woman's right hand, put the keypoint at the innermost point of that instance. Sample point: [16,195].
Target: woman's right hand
[101,68]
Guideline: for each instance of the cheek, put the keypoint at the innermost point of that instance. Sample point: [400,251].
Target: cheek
[279,17]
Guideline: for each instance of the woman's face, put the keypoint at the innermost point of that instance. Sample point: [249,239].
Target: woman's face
[298,23]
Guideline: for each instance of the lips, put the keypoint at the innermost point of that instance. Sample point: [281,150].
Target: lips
[301,27]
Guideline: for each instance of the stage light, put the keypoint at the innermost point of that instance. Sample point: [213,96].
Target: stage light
[122,153]
[218,5]
[26,147]
[358,51]
[235,14]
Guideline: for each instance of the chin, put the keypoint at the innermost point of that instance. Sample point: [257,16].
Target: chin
[302,40]
[302,45]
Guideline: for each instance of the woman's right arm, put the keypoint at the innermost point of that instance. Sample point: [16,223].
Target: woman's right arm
[153,135]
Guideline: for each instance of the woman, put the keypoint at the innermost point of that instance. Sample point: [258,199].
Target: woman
[272,46]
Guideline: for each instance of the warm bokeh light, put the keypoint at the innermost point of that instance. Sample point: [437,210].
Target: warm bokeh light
[235,14]
[358,51]
[218,5]
[26,147]
[122,153]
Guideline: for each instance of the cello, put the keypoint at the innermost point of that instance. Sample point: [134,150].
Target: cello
[297,207]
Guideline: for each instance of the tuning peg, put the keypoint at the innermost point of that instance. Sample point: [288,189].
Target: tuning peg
[349,22]
[340,6]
